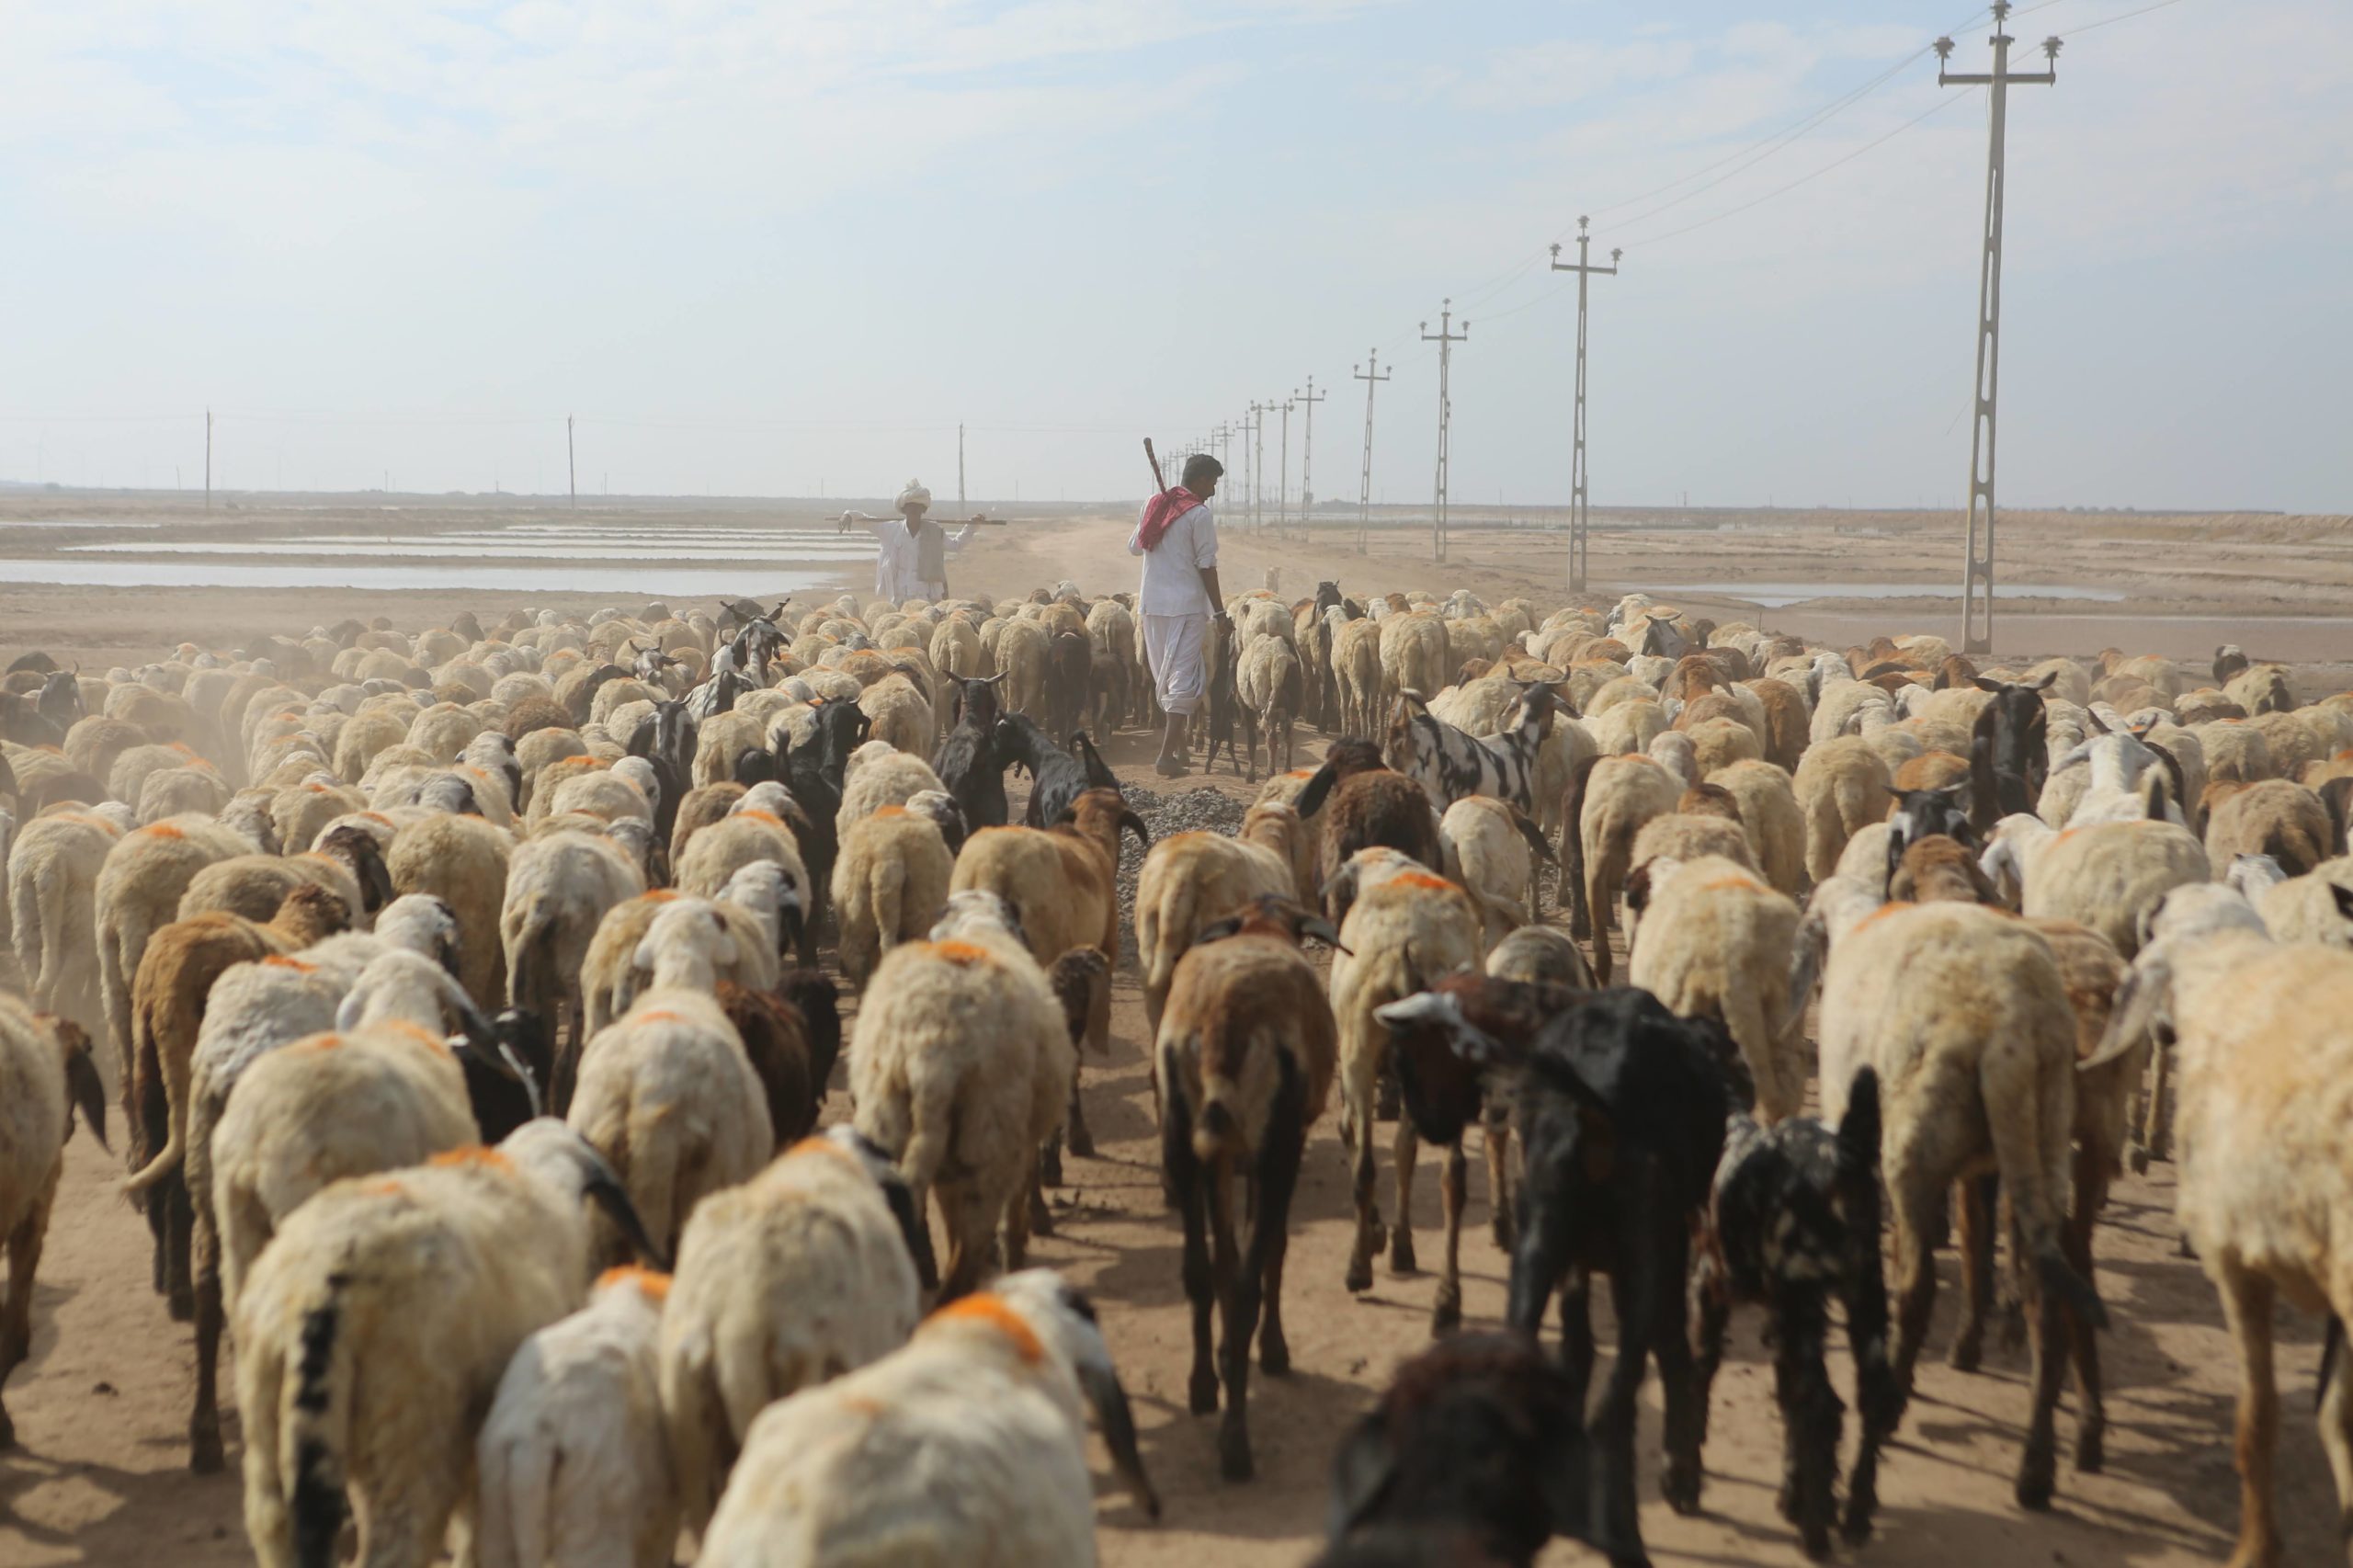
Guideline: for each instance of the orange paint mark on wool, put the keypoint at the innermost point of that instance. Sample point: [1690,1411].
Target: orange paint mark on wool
[323,1043]
[994,1311]
[656,1016]
[822,1146]
[162,830]
[297,965]
[1725,883]
[1883,911]
[756,814]
[891,811]
[957,952]
[473,1157]
[661,895]
[577,758]
[652,1283]
[1422,880]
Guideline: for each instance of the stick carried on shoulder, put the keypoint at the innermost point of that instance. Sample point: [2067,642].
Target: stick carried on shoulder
[1152,457]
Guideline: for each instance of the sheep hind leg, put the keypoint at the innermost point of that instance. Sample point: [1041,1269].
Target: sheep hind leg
[1684,1423]
[1712,1317]
[1185,1182]
[179,1222]
[1916,1195]
[1501,1219]
[2246,1305]
[1082,1142]
[15,1318]
[1407,1148]
[2091,1425]
[1576,1331]
[2337,1438]
[1368,1231]
[1812,1415]
[2047,1362]
[1973,1210]
[1454,1179]
[1236,1292]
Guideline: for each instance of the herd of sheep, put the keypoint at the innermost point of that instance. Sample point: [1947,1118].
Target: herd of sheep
[472,998]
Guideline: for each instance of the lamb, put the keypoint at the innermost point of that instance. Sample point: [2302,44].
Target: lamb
[806,1271]
[1243,1063]
[46,1078]
[1960,1008]
[1476,1454]
[1622,1108]
[1398,937]
[139,891]
[558,889]
[1189,880]
[967,1445]
[1841,785]
[404,1296]
[960,1066]
[889,885]
[2264,1067]
[668,1097]
[1271,687]
[1610,803]
[1794,1216]
[1768,803]
[1716,942]
[572,1462]
[880,775]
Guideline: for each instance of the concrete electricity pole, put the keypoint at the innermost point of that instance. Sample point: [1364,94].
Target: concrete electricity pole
[963,510]
[1307,458]
[1977,567]
[571,463]
[1282,470]
[1578,520]
[1259,412]
[208,459]
[1446,338]
[1371,373]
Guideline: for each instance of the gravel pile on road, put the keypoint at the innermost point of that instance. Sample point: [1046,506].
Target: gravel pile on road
[1188,810]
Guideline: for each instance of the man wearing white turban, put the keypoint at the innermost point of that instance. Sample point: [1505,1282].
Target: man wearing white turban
[911,557]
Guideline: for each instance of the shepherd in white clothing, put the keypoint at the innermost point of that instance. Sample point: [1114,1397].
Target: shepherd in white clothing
[910,557]
[1177,536]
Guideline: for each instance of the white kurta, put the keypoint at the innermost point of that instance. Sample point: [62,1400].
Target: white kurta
[895,559]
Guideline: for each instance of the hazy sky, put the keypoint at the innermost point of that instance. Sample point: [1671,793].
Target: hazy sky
[759,247]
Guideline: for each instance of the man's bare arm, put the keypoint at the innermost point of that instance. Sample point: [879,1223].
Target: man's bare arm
[1208,581]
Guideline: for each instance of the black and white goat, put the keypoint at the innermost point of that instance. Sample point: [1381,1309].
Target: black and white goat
[1795,1221]
[1452,764]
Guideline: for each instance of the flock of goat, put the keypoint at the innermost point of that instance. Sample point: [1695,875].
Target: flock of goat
[443,975]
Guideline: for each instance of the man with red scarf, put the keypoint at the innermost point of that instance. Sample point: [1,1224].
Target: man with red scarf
[1177,536]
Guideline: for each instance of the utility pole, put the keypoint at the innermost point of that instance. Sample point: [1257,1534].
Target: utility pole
[1446,338]
[1282,472]
[1371,373]
[1977,566]
[1257,465]
[1307,460]
[961,509]
[208,459]
[571,463]
[1578,515]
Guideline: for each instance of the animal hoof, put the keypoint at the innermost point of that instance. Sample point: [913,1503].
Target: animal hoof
[1858,1527]
[1050,1168]
[1680,1486]
[1401,1252]
[204,1453]
[1203,1392]
[182,1303]
[1785,1502]
[2036,1481]
[1505,1233]
[1967,1352]
[1233,1452]
[2136,1159]
[2091,1449]
[1359,1276]
[1274,1358]
[1446,1317]
[1082,1144]
[1816,1541]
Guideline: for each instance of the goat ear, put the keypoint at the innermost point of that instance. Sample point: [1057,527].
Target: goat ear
[2099,725]
[1217,930]
[1315,925]
[1311,796]
[1131,823]
[2043,682]
[2343,896]
[1362,1472]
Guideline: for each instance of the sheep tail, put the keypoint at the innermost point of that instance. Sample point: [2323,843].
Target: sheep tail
[518,1482]
[31,901]
[314,1428]
[535,983]
[1218,1128]
[887,887]
[1858,1130]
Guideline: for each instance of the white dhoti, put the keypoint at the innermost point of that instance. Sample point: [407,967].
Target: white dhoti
[1175,645]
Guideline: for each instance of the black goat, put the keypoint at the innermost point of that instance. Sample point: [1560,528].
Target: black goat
[1224,655]
[1925,813]
[1795,1219]
[1621,1108]
[2008,752]
[506,1073]
[1070,679]
[1056,778]
[968,762]
[1476,1455]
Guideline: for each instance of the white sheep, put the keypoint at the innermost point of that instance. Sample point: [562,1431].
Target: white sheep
[1841,785]
[1488,850]
[52,898]
[960,1066]
[139,891]
[558,889]
[573,1465]
[1715,941]
[2109,876]
[889,884]
[968,1446]
[878,774]
[372,1335]
[667,1096]
[1191,879]
[806,1271]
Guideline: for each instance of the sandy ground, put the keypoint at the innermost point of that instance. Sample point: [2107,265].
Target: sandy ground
[101,1404]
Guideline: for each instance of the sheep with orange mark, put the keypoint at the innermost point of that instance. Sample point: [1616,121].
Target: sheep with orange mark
[890,883]
[461,859]
[880,774]
[667,1094]
[736,840]
[1841,785]
[1401,936]
[967,1446]
[53,868]
[2109,876]
[372,1335]
[804,1272]
[1716,942]
[46,1077]
[1191,879]
[1493,849]
[960,1065]
[573,1463]
[1608,803]
[1768,802]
